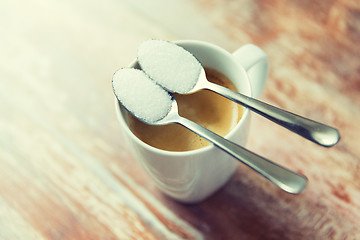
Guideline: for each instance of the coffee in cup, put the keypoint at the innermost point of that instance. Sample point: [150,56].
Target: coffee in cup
[204,107]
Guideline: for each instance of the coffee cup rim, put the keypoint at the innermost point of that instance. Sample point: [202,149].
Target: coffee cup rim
[229,135]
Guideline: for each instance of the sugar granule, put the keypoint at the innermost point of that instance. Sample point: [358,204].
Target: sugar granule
[170,65]
[141,96]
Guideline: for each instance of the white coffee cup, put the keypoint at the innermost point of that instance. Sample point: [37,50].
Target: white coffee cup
[192,176]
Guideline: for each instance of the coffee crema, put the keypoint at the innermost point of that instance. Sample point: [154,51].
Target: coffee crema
[206,108]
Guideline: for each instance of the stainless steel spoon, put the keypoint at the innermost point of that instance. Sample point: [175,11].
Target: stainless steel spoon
[169,69]
[126,83]
[314,131]
[285,179]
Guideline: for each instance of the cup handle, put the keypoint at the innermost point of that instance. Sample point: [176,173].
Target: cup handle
[256,63]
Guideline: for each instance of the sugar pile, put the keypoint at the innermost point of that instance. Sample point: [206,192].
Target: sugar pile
[141,96]
[170,65]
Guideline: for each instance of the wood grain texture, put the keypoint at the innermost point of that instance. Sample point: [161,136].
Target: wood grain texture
[66,172]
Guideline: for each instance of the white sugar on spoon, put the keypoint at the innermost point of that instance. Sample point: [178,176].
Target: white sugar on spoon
[177,70]
[141,96]
[169,65]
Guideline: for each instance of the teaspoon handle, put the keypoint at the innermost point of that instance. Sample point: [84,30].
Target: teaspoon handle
[287,180]
[314,131]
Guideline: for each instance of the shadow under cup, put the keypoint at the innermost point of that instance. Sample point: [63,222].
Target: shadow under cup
[192,176]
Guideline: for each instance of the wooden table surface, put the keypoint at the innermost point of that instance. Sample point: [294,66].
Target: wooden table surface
[66,173]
